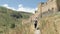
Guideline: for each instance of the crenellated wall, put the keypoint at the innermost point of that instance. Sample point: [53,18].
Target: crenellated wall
[50,5]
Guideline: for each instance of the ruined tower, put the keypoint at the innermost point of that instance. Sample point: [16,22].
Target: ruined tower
[49,5]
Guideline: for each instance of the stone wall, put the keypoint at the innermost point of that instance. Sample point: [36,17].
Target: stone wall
[48,6]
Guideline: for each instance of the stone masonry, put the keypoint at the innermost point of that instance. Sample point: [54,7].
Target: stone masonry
[50,5]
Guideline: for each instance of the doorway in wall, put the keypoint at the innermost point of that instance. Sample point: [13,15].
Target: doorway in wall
[35,24]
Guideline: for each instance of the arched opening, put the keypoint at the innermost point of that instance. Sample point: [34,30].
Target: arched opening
[52,9]
[35,24]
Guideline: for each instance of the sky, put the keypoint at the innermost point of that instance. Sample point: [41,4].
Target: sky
[21,5]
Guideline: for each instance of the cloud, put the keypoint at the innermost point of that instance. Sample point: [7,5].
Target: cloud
[21,8]
[26,9]
[20,5]
[6,5]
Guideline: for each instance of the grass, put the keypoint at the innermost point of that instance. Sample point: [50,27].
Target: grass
[50,24]
[12,23]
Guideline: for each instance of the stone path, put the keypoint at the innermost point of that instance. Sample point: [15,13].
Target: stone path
[37,32]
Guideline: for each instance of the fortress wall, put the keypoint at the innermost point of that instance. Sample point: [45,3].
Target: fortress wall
[44,8]
[53,5]
[50,6]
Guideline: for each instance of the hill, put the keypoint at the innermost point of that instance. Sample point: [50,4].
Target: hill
[11,21]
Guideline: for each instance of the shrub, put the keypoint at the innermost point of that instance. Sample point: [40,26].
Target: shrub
[12,26]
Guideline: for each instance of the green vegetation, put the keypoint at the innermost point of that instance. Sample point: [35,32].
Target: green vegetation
[11,20]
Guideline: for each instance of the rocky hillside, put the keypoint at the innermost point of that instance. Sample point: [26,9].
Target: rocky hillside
[50,24]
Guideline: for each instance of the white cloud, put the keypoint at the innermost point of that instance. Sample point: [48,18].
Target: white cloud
[21,8]
[26,9]
[20,5]
[6,5]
